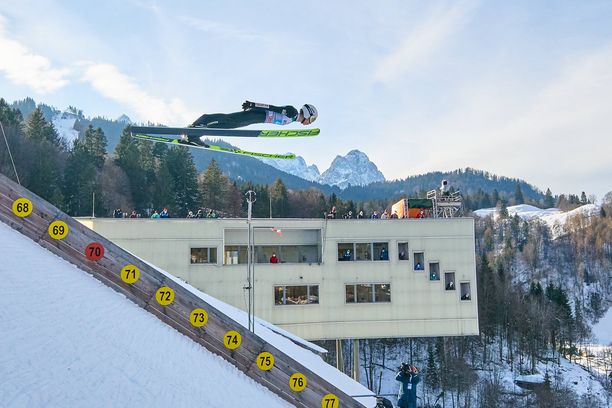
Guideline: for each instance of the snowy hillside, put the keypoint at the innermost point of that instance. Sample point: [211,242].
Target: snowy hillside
[553,217]
[68,340]
[64,125]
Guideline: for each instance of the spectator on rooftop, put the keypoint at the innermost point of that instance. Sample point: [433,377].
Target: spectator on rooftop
[164,213]
[375,215]
[155,215]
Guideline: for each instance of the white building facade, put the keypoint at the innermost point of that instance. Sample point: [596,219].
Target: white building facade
[334,279]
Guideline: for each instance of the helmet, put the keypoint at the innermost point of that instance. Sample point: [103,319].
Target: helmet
[309,112]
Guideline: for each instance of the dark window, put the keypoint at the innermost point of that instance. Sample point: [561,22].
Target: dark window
[203,255]
[381,251]
[419,261]
[363,252]
[368,293]
[345,252]
[402,251]
[449,280]
[434,271]
[382,293]
[466,294]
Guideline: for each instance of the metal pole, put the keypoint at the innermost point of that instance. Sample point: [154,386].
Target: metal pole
[250,200]
[93,205]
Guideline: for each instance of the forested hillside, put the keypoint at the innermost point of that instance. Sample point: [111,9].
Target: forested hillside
[537,298]
[479,189]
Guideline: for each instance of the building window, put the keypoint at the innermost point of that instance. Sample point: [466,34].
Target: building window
[296,295]
[381,251]
[382,293]
[449,280]
[402,251]
[235,254]
[434,271]
[419,261]
[345,251]
[466,294]
[368,293]
[203,255]
[363,251]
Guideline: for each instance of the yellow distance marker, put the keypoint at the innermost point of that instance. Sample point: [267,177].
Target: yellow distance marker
[265,361]
[330,401]
[164,295]
[58,229]
[232,339]
[130,274]
[22,207]
[198,317]
[297,382]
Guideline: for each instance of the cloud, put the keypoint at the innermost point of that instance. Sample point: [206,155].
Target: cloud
[425,39]
[555,133]
[110,82]
[23,67]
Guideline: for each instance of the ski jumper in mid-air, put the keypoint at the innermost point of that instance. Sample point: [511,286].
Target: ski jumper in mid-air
[253,113]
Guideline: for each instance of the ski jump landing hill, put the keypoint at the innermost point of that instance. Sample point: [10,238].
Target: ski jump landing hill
[166,299]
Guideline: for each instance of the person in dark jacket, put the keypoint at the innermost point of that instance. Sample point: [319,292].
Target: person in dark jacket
[409,377]
[258,113]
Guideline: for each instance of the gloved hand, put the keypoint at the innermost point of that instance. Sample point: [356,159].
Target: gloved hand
[247,105]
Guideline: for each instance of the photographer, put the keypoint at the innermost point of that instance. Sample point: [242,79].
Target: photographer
[409,377]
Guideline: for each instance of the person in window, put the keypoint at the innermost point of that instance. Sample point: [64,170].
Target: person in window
[384,255]
[465,296]
[418,267]
[450,285]
[402,255]
[273,258]
[347,255]
[433,276]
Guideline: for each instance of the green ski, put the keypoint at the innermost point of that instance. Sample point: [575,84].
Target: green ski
[211,132]
[178,142]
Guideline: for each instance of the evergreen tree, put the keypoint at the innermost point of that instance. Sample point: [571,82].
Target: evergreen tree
[44,159]
[549,201]
[183,173]
[518,195]
[280,199]
[95,143]
[8,115]
[583,198]
[503,210]
[39,130]
[495,197]
[213,186]
[80,181]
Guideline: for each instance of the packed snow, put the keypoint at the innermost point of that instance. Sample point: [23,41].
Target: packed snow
[68,340]
[553,217]
[64,125]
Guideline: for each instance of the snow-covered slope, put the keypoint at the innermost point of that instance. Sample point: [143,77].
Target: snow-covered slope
[553,217]
[64,124]
[355,168]
[296,167]
[68,340]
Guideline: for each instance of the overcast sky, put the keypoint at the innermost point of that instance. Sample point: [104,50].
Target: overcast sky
[521,89]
